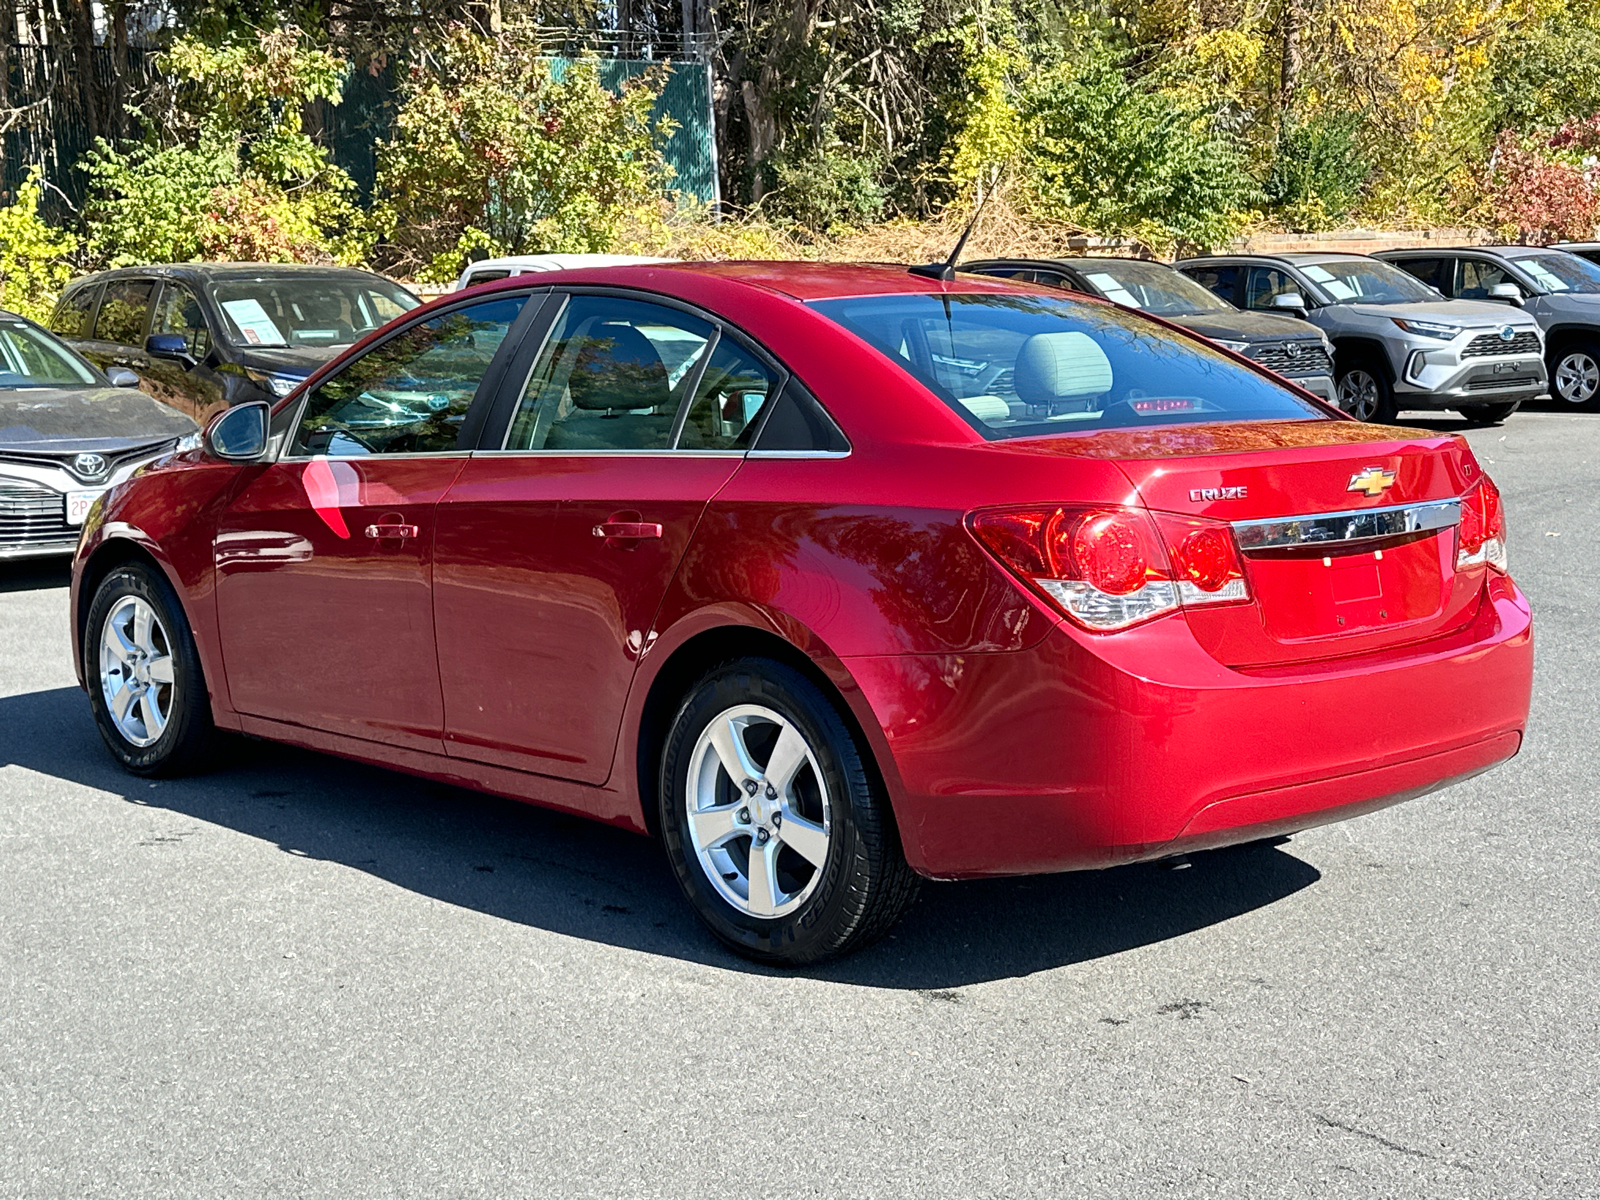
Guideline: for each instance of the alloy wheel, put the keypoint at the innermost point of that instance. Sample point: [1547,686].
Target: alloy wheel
[136,671]
[1577,377]
[1359,394]
[759,816]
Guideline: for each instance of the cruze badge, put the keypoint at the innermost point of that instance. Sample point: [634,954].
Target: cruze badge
[1198,495]
[1374,481]
[89,466]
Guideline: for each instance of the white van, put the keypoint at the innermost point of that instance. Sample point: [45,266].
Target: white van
[503,268]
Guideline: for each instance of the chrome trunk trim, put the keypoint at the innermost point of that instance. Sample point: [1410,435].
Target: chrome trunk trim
[1358,525]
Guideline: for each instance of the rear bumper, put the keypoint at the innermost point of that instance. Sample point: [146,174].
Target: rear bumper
[1091,751]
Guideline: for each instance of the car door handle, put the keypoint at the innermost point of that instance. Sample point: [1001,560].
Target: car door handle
[392,531]
[627,530]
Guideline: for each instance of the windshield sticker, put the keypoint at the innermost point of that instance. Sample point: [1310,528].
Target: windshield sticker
[254,325]
[1543,276]
[1112,289]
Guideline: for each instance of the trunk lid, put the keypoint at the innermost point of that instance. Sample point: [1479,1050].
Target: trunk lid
[1378,570]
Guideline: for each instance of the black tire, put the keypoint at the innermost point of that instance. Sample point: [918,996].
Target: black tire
[863,886]
[1574,368]
[1488,414]
[1364,389]
[188,739]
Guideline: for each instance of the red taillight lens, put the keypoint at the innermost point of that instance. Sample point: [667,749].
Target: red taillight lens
[1481,536]
[1108,568]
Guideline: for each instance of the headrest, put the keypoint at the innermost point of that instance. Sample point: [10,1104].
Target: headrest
[618,367]
[1061,366]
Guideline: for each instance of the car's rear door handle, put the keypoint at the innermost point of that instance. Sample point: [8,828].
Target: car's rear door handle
[627,530]
[392,531]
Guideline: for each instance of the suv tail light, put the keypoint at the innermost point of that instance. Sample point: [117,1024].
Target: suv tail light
[1481,536]
[1109,568]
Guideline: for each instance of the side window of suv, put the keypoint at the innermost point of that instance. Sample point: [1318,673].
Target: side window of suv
[1475,276]
[1222,281]
[614,372]
[179,312]
[1265,283]
[1435,272]
[409,394]
[124,312]
[72,316]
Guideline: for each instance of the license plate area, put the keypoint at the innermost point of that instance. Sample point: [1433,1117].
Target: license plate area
[1354,589]
[79,503]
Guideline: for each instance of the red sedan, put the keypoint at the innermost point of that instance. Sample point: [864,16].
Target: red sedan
[830,577]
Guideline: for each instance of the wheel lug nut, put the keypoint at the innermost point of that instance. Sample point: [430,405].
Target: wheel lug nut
[762,836]
[750,787]
[777,818]
[744,816]
[772,792]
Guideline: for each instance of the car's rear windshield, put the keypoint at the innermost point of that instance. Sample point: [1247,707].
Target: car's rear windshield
[1022,366]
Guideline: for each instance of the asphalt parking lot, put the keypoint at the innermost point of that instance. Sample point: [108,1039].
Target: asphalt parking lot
[302,977]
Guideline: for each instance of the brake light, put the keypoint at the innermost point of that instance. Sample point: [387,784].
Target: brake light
[1481,536]
[1109,568]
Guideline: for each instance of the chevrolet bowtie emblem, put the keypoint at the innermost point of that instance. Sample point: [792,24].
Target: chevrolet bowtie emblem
[1373,481]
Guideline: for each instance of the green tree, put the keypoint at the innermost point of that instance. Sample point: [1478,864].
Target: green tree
[33,255]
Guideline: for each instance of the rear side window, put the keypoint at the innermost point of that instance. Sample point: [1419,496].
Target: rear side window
[124,312]
[1025,366]
[71,319]
[1435,272]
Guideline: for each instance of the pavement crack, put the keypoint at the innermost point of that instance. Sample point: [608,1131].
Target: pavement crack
[1387,1143]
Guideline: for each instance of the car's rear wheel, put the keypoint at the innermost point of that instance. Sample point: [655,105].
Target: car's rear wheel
[1489,414]
[1365,394]
[1575,373]
[146,687]
[775,827]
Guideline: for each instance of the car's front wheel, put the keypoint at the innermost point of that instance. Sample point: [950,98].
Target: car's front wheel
[1365,394]
[145,684]
[1575,373]
[775,828]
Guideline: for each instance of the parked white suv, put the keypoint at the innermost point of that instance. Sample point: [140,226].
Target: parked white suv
[490,269]
[1397,342]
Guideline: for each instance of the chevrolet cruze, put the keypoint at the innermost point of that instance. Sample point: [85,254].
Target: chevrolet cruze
[829,577]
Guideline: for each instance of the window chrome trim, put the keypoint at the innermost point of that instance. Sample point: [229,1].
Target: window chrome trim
[304,458]
[1343,528]
[659,450]
[798,454]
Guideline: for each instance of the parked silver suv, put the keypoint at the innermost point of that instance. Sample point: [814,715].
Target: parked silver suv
[1560,290]
[1397,342]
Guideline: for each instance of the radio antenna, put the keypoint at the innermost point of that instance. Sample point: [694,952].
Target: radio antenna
[946,271]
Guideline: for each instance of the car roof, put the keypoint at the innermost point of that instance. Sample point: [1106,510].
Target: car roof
[1428,251]
[560,262]
[803,281]
[211,271]
[1573,246]
[1070,260]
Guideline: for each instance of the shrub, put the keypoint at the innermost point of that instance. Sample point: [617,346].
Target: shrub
[33,266]
[1534,197]
[1319,170]
[826,188]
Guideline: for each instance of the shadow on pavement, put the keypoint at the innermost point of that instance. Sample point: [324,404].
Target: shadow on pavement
[33,575]
[581,879]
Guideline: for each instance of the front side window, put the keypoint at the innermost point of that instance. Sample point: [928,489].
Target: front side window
[30,358]
[613,375]
[410,394]
[1476,276]
[1265,284]
[72,318]
[179,313]
[1220,281]
[1365,281]
[1562,272]
[320,311]
[1026,366]
[124,311]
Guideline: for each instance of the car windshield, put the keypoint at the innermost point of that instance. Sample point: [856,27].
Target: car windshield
[1366,281]
[1151,288]
[31,358]
[1024,366]
[314,311]
[1561,272]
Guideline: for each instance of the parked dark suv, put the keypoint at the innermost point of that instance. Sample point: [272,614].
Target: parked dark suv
[203,336]
[1557,287]
[1293,348]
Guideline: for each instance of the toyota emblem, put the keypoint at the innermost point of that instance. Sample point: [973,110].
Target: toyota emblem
[1507,332]
[90,466]
[1292,349]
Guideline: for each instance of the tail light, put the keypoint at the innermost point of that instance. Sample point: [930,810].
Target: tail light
[1481,536]
[1109,568]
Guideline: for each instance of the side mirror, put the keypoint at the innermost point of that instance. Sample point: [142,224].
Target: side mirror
[1509,292]
[170,346]
[122,377]
[1290,302]
[239,434]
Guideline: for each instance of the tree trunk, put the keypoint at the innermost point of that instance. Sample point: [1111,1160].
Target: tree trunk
[117,116]
[1294,20]
[83,21]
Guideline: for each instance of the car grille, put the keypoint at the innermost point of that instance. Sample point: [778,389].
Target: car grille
[1486,344]
[33,516]
[1496,385]
[1309,359]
